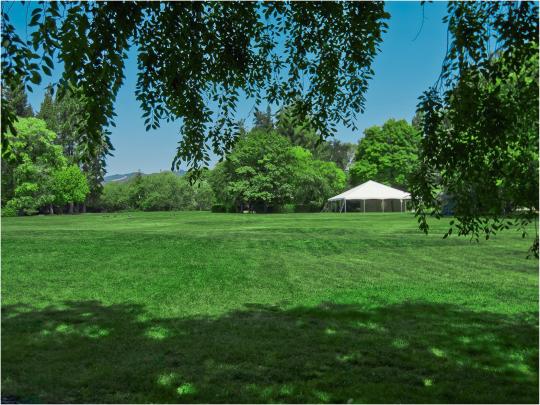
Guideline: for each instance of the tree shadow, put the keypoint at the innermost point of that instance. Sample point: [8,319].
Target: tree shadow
[411,352]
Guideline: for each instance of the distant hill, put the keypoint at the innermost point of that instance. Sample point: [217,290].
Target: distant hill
[124,177]
[119,177]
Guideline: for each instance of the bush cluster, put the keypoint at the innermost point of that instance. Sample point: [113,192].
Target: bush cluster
[156,192]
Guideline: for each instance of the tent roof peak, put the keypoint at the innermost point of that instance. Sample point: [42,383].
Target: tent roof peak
[372,190]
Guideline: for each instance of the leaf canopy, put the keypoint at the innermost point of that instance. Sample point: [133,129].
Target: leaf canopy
[480,122]
[196,60]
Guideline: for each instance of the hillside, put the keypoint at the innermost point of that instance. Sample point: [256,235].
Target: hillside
[124,177]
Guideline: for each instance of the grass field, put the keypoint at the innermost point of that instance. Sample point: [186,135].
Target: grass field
[200,307]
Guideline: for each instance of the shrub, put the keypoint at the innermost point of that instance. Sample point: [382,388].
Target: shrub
[310,207]
[288,208]
[115,197]
[219,208]
[283,209]
[9,210]
[157,192]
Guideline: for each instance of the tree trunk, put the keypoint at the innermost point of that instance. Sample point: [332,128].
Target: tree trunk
[51,210]
[83,208]
[70,207]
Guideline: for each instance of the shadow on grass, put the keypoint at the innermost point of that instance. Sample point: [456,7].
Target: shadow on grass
[412,352]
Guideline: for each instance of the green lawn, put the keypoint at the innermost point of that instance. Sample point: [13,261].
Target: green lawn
[200,307]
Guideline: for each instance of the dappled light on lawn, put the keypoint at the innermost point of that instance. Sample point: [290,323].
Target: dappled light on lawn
[302,308]
[264,354]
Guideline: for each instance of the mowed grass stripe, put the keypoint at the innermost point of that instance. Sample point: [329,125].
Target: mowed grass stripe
[201,307]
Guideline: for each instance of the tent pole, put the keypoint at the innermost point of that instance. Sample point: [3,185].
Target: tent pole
[364,206]
[345,205]
[382,205]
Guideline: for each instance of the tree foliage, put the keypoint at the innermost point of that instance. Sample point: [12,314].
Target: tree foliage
[264,171]
[64,114]
[297,128]
[46,110]
[16,99]
[70,185]
[263,119]
[27,173]
[192,55]
[260,170]
[387,154]
[315,180]
[480,121]
[336,151]
[157,192]
[301,132]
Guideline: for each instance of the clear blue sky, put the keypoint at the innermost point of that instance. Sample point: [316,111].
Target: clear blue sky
[404,68]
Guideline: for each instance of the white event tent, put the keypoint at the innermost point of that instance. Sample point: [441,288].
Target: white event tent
[370,190]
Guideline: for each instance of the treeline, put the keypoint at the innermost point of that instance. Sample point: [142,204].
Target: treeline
[48,169]
[280,165]
[165,191]
[265,172]
[37,177]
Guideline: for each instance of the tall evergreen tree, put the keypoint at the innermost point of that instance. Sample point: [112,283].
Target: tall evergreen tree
[62,113]
[46,110]
[95,171]
[263,120]
[341,153]
[418,121]
[299,129]
[66,123]
[16,97]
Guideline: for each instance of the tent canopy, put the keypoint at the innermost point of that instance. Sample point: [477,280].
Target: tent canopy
[371,190]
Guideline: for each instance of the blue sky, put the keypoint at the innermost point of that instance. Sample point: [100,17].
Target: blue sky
[404,68]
